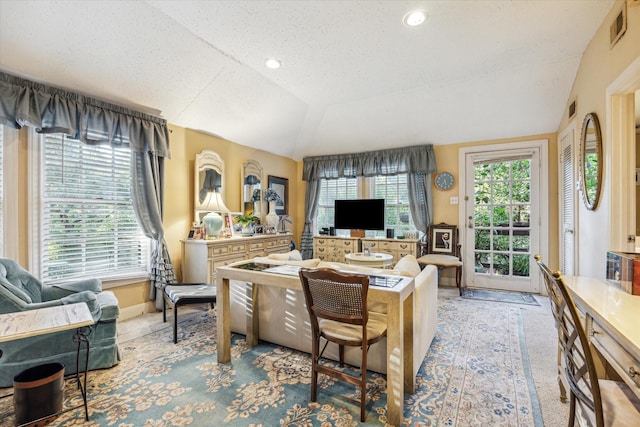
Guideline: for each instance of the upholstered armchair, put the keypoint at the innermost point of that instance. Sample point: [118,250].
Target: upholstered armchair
[21,291]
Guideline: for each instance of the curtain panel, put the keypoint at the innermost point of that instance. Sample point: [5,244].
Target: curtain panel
[52,110]
[418,162]
[395,161]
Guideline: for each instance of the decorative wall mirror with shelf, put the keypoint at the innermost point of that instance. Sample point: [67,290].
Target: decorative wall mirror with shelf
[252,188]
[591,161]
[209,177]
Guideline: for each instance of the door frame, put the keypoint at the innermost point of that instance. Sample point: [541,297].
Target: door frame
[543,219]
[570,129]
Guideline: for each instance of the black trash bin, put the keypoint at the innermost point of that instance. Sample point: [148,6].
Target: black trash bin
[38,393]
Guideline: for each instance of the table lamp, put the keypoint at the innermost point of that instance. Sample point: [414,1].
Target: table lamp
[213,221]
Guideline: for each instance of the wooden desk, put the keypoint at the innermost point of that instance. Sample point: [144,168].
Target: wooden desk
[399,301]
[612,322]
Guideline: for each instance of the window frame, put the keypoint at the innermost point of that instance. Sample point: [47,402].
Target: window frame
[365,187]
[36,183]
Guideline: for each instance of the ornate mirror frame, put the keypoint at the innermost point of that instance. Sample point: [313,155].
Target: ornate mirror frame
[209,170]
[591,161]
[252,168]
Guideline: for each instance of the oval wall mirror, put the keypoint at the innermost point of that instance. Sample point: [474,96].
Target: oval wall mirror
[251,188]
[591,161]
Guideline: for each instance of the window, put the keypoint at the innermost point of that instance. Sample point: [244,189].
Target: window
[87,226]
[391,188]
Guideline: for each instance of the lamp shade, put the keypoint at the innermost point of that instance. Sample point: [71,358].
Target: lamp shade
[213,221]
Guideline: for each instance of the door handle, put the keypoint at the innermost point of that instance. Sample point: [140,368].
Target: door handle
[470,222]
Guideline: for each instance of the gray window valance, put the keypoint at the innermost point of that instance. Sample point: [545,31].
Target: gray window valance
[53,110]
[419,159]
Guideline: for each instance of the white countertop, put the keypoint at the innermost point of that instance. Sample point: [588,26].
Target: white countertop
[611,305]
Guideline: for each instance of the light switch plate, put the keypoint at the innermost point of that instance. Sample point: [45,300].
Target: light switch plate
[453,200]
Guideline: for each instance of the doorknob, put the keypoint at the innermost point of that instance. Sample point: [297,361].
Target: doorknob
[569,230]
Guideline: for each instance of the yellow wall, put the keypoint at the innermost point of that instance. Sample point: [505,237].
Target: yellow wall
[599,67]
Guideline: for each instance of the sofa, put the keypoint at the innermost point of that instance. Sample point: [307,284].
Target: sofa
[21,291]
[284,319]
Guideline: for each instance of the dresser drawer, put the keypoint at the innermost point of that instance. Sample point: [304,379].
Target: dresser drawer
[256,246]
[216,251]
[619,359]
[238,248]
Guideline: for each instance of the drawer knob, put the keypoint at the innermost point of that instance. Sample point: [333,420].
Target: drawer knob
[632,372]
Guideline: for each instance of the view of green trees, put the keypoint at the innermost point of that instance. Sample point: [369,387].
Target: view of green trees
[502,210]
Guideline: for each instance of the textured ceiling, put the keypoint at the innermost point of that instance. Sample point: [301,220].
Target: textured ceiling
[354,78]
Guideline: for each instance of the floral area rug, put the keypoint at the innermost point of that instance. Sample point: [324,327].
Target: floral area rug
[476,374]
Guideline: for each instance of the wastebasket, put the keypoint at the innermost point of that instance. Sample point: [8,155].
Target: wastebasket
[38,393]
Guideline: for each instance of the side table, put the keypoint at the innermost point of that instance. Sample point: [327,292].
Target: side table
[375,259]
[23,324]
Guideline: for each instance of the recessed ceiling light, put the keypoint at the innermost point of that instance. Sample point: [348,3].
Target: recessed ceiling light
[272,63]
[415,17]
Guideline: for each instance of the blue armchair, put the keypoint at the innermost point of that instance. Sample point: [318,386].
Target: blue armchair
[21,291]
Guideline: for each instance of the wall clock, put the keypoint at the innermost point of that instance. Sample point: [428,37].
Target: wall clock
[444,181]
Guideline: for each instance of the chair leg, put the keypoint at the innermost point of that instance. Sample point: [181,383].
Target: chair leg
[459,279]
[164,309]
[341,353]
[572,410]
[175,323]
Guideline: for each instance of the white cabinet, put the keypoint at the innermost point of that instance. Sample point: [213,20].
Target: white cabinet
[334,248]
[201,258]
[394,247]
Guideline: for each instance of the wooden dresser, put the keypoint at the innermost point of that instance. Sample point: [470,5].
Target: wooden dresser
[201,258]
[611,318]
[397,248]
[334,248]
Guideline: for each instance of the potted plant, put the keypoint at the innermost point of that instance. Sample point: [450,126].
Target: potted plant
[246,221]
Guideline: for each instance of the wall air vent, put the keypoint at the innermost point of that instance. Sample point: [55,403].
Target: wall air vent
[572,109]
[618,26]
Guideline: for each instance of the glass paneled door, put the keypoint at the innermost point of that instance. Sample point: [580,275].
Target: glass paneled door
[501,234]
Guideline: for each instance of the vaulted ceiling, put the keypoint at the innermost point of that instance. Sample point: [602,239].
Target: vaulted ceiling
[353,76]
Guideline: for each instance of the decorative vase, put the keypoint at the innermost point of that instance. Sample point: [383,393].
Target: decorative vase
[272,218]
[247,230]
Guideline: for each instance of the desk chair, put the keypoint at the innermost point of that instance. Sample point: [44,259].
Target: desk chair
[186,293]
[442,249]
[601,402]
[337,305]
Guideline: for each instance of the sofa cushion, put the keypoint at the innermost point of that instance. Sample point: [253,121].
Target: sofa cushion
[293,255]
[407,266]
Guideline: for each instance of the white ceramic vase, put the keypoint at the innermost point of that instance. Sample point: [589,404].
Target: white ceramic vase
[272,218]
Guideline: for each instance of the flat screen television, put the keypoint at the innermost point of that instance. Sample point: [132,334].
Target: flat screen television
[359,214]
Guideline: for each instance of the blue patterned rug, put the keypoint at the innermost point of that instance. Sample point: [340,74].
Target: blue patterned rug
[476,373]
[500,296]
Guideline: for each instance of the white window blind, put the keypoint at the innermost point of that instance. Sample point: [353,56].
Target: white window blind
[330,191]
[87,224]
[393,189]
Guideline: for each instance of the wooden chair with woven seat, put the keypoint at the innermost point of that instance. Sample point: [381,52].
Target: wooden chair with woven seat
[337,306]
[602,403]
[442,249]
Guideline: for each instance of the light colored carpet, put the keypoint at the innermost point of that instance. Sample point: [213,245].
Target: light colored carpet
[140,394]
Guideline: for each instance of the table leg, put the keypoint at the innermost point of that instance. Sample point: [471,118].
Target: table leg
[223,321]
[395,362]
[82,336]
[253,324]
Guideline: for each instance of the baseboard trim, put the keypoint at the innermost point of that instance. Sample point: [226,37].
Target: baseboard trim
[137,310]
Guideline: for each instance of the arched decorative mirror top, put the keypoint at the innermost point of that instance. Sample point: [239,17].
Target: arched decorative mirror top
[252,184]
[209,176]
[591,161]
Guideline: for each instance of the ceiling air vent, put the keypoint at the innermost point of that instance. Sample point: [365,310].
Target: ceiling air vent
[572,109]
[618,26]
